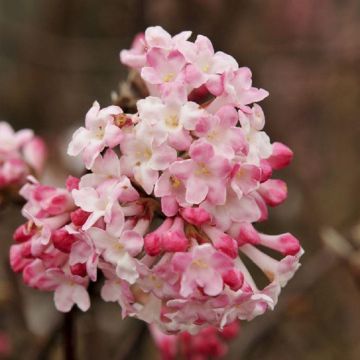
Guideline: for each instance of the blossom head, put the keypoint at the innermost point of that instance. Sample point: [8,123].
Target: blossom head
[167,209]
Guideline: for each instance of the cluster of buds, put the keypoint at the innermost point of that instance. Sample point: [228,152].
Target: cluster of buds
[21,154]
[166,210]
[208,343]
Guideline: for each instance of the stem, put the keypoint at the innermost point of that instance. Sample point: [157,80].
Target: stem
[69,335]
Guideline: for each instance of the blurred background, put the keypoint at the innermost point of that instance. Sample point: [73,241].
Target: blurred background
[58,56]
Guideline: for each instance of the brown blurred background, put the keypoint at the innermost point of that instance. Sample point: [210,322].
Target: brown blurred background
[58,56]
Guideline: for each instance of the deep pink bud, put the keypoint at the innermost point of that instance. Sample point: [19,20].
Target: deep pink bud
[286,243]
[72,183]
[221,241]
[230,331]
[79,217]
[280,157]
[153,244]
[78,269]
[24,232]
[234,278]
[266,170]
[153,240]
[195,215]
[62,240]
[175,239]
[248,235]
[17,260]
[274,192]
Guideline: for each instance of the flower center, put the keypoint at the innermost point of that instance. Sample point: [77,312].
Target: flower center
[205,68]
[200,264]
[100,132]
[175,182]
[168,77]
[172,121]
[202,169]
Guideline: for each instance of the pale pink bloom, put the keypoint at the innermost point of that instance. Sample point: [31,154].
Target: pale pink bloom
[84,252]
[258,141]
[164,68]
[171,190]
[35,154]
[143,160]
[280,271]
[43,200]
[235,88]
[106,167]
[116,290]
[13,171]
[11,141]
[170,121]
[205,174]
[204,63]
[136,56]
[201,267]
[245,209]
[70,290]
[103,202]
[221,131]
[245,179]
[119,250]
[100,131]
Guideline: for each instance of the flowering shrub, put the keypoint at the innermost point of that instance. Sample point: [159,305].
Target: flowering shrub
[21,154]
[165,212]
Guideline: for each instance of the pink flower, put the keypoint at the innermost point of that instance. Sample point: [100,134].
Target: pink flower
[103,202]
[235,88]
[100,131]
[221,131]
[170,121]
[11,141]
[204,63]
[119,250]
[168,208]
[205,174]
[69,290]
[201,267]
[164,68]
[143,160]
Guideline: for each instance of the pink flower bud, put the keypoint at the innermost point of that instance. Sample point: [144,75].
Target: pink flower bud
[35,154]
[287,244]
[72,183]
[274,192]
[153,243]
[222,242]
[62,240]
[230,331]
[234,278]
[195,215]
[280,157]
[175,239]
[24,232]
[79,217]
[78,269]
[248,235]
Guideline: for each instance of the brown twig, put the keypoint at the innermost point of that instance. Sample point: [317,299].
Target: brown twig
[69,335]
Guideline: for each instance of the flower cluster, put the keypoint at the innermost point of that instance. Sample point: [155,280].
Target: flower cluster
[166,210]
[21,154]
[208,343]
